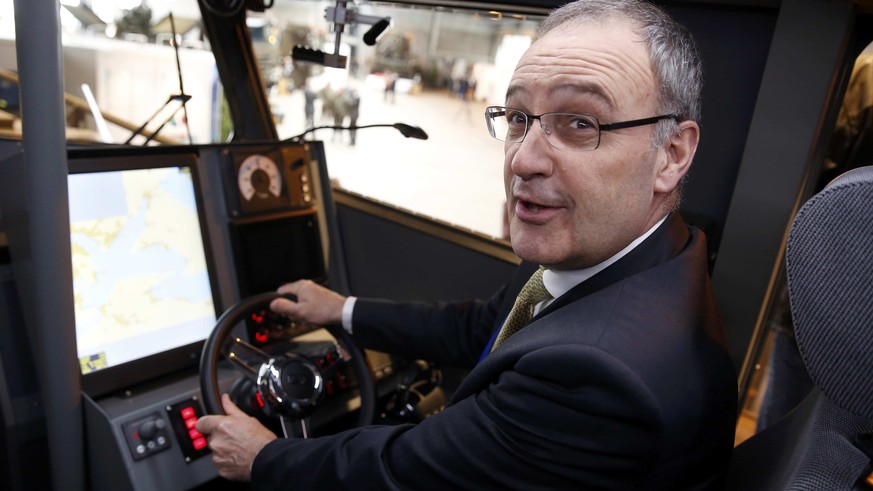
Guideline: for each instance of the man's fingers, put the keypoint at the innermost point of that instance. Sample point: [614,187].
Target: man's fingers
[286,306]
[229,407]
[206,424]
[283,306]
[293,287]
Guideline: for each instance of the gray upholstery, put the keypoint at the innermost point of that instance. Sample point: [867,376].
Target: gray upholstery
[822,444]
[829,257]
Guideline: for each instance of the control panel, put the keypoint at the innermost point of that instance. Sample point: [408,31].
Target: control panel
[266,227]
[265,328]
[184,416]
[146,439]
[268,178]
[147,435]
[150,434]
[328,359]
[270,213]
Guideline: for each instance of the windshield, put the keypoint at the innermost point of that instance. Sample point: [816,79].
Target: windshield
[435,68]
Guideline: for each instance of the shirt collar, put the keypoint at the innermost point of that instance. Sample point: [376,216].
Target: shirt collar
[560,282]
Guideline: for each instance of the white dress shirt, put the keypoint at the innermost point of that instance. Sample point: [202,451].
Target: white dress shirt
[556,282]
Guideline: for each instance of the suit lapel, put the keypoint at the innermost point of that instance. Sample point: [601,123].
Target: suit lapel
[665,243]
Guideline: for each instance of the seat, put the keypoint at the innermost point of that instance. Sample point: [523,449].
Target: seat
[826,443]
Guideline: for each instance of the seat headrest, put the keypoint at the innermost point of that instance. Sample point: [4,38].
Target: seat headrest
[829,258]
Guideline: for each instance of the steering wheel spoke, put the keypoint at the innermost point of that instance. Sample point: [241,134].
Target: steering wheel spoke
[296,428]
[245,357]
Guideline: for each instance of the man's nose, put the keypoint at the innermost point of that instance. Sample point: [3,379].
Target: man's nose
[532,155]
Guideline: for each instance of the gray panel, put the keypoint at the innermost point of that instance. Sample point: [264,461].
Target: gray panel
[806,53]
[387,260]
[112,466]
[42,247]
[734,45]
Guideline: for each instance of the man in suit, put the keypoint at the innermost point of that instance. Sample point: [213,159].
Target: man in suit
[621,380]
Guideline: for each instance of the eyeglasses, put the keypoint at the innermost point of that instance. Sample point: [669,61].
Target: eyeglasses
[566,131]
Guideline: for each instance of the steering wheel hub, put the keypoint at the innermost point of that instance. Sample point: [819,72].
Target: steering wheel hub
[292,385]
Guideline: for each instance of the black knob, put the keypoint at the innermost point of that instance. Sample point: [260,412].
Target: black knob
[150,428]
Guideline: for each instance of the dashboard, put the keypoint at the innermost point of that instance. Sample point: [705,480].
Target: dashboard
[165,239]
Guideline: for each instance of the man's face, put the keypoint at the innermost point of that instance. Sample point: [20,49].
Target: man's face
[573,209]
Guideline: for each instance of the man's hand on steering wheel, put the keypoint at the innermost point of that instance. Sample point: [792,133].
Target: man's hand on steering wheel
[289,382]
[315,304]
[235,440]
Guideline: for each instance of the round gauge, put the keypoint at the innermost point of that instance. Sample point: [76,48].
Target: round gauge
[258,177]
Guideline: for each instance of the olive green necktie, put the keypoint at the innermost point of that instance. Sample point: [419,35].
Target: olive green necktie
[532,293]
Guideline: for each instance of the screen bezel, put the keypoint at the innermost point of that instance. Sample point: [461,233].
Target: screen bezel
[91,160]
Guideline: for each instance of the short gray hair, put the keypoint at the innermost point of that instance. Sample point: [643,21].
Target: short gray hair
[675,60]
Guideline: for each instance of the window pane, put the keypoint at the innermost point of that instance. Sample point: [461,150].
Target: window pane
[118,54]
[444,68]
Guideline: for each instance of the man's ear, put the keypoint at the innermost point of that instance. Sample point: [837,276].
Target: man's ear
[678,152]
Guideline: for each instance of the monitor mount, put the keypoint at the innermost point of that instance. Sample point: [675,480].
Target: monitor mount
[340,15]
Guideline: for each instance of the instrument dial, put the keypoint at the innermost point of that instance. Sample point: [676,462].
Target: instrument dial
[259,177]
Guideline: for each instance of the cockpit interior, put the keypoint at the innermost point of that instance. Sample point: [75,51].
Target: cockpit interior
[177,161]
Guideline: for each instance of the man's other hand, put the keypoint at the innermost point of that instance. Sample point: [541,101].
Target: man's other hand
[315,304]
[235,440]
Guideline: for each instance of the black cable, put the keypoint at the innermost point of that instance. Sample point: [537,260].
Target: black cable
[223,8]
[407,130]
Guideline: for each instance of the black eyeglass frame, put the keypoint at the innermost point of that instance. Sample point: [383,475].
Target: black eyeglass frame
[600,126]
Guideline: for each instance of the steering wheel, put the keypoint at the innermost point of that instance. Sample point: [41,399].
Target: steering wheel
[289,383]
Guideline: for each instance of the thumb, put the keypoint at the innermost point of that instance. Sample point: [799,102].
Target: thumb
[282,306]
[229,407]
[206,424]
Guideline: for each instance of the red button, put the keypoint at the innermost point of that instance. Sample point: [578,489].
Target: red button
[194,434]
[190,423]
[199,443]
[188,412]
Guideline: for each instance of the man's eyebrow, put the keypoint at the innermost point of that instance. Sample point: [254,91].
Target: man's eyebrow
[513,89]
[594,90]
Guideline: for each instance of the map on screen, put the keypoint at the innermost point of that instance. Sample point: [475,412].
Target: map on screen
[140,279]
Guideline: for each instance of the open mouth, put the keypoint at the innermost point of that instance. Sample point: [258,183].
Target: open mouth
[534,207]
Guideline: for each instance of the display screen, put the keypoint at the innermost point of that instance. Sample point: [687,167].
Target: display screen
[141,283]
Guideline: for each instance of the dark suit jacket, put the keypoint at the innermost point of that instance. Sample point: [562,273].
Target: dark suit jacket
[622,383]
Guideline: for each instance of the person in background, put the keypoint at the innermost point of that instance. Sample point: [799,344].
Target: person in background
[309,98]
[390,86]
[354,109]
[602,364]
